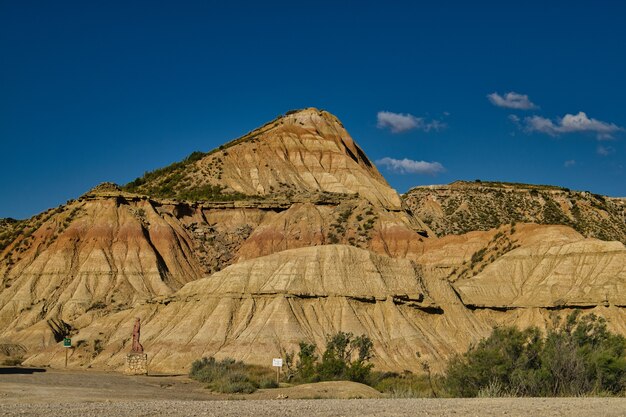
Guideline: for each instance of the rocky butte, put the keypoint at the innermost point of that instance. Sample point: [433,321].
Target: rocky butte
[290,234]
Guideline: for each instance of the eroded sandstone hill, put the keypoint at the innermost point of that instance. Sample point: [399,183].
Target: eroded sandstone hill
[434,304]
[303,152]
[463,207]
[110,249]
[286,234]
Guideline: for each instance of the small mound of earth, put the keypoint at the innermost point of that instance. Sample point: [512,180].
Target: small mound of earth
[321,390]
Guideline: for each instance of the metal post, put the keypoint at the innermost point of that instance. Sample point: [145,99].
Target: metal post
[66,349]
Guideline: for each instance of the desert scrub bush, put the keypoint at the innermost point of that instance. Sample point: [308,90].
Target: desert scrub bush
[231,376]
[209,192]
[494,389]
[98,305]
[345,215]
[10,230]
[401,385]
[332,238]
[81,343]
[13,354]
[368,224]
[98,347]
[16,361]
[552,213]
[346,358]
[174,168]
[577,357]
[478,255]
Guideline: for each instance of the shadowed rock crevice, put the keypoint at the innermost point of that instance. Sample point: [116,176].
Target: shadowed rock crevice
[161,265]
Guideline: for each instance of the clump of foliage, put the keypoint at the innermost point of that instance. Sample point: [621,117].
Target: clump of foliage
[490,205]
[231,376]
[478,255]
[346,358]
[98,305]
[402,385]
[504,184]
[209,192]
[173,168]
[577,357]
[10,229]
[13,354]
[173,182]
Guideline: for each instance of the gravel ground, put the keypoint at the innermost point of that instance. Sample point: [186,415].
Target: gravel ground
[48,392]
[321,408]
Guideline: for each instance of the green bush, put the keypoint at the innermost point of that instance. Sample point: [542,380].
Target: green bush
[577,357]
[404,385]
[346,358]
[478,255]
[98,347]
[268,383]
[208,192]
[332,238]
[174,168]
[230,376]
[234,382]
[306,368]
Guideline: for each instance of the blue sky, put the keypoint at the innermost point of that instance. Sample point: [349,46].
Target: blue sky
[103,92]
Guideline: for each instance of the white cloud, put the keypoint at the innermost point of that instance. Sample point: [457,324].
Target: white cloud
[572,123]
[403,122]
[511,100]
[397,122]
[435,125]
[541,124]
[516,121]
[408,166]
[569,163]
[605,150]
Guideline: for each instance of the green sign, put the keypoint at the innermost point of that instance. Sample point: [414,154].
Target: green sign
[67,342]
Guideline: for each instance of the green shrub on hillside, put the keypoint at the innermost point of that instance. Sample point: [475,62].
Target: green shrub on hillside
[170,169]
[579,357]
[208,192]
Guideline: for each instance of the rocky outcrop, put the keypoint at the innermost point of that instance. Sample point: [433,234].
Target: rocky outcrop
[261,308]
[110,249]
[266,306]
[354,222]
[585,273]
[88,258]
[462,207]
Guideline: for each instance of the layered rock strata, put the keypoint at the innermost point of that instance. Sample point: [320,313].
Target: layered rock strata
[290,234]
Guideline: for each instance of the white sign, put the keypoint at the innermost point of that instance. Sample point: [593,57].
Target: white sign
[277,362]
